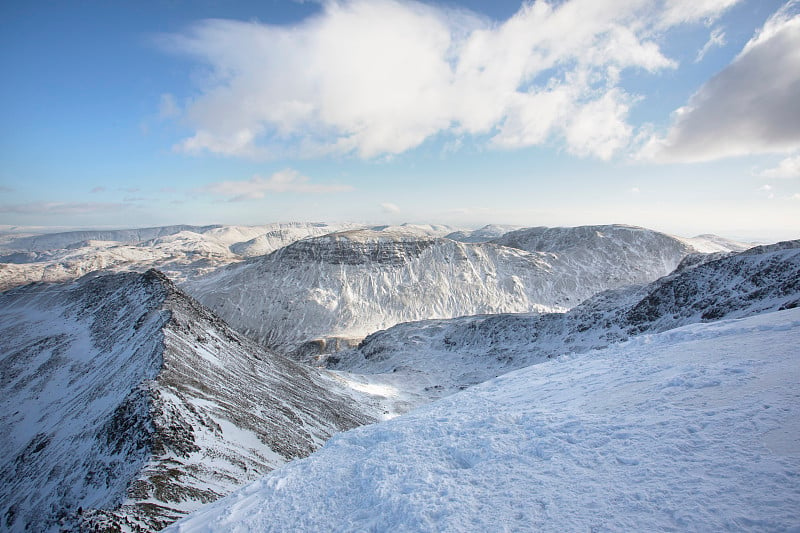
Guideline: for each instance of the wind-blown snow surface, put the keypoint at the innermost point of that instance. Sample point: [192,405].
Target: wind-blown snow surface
[430,359]
[122,396]
[346,285]
[695,429]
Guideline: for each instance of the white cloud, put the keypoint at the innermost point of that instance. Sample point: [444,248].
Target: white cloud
[379,77]
[599,128]
[788,168]
[683,11]
[717,38]
[750,107]
[287,180]
[767,191]
[390,208]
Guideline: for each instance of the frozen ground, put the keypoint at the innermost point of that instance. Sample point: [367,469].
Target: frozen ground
[693,429]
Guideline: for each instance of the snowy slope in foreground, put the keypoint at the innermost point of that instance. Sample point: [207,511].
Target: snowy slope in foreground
[693,429]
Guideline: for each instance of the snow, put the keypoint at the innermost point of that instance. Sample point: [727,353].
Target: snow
[695,429]
[708,244]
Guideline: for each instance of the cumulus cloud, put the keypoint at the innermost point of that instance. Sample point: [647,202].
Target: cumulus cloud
[788,168]
[256,187]
[750,107]
[379,77]
[61,208]
[767,191]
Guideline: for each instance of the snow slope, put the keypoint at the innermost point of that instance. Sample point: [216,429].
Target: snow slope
[430,359]
[695,429]
[338,288]
[122,396]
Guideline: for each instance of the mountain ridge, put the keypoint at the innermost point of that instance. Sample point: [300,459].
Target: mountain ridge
[191,410]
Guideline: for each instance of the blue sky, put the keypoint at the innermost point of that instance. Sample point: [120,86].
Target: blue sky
[678,115]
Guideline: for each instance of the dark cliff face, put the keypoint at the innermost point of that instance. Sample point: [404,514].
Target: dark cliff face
[355,248]
[131,401]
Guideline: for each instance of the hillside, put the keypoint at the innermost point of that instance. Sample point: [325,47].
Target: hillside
[125,403]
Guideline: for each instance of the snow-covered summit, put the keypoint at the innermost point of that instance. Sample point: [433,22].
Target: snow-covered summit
[124,398]
[54,241]
[483,234]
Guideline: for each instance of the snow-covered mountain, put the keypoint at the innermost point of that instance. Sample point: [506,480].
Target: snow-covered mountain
[57,241]
[336,289]
[348,284]
[429,359]
[484,234]
[181,252]
[126,404]
[695,429]
[618,251]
